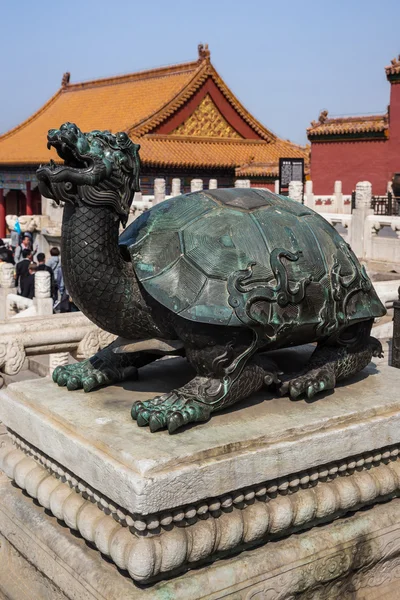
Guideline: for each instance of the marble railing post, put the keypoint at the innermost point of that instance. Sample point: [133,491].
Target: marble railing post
[7,276]
[176,187]
[242,183]
[361,238]
[43,302]
[276,186]
[159,190]
[296,191]
[308,195]
[7,283]
[212,184]
[338,196]
[196,185]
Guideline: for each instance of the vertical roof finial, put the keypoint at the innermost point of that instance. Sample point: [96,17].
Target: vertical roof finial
[65,79]
[204,53]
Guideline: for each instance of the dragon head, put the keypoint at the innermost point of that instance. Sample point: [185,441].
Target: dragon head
[100,168]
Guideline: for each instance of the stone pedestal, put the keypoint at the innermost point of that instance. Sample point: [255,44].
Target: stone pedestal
[157,505]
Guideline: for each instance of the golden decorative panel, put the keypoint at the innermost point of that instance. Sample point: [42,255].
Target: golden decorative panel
[206,121]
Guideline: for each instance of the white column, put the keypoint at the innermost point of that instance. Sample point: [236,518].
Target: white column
[213,184]
[176,187]
[296,190]
[242,183]
[360,236]
[7,276]
[43,302]
[159,190]
[308,195]
[196,185]
[363,194]
[42,284]
[276,186]
[338,196]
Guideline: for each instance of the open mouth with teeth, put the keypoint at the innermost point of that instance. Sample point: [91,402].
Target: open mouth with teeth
[81,166]
[99,168]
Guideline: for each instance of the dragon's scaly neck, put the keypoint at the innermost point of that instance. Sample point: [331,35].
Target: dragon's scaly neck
[97,278]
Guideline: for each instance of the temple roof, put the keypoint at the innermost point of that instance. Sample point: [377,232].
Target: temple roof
[170,151]
[393,70]
[359,127]
[182,115]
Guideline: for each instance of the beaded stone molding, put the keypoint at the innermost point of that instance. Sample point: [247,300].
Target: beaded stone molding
[152,546]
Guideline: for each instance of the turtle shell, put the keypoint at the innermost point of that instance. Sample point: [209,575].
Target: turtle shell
[248,257]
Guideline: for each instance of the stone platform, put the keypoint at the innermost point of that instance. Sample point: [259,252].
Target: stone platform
[156,504]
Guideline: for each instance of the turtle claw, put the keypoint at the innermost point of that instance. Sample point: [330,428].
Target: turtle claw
[317,380]
[84,375]
[170,411]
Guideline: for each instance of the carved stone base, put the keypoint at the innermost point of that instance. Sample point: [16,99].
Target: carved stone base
[354,558]
[157,505]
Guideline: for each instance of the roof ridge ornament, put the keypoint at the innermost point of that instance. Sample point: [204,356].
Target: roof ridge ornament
[393,70]
[204,52]
[65,79]
[323,115]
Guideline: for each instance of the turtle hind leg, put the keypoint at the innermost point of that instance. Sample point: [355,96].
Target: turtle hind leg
[328,365]
[195,401]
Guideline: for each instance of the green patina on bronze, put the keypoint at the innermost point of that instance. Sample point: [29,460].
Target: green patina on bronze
[248,257]
[220,276]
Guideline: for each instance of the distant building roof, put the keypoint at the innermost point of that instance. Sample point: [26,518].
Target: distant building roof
[348,127]
[182,115]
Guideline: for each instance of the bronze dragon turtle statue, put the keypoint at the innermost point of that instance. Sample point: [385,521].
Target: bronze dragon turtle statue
[219,276]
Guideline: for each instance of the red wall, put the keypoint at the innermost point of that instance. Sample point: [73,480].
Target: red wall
[353,161]
[349,162]
[394,128]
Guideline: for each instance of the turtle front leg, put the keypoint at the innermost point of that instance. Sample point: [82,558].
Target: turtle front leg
[195,401]
[327,366]
[103,368]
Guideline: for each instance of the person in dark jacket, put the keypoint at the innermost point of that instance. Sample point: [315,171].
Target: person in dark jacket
[6,254]
[22,267]
[28,283]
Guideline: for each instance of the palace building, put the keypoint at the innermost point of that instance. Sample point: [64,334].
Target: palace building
[352,149]
[187,121]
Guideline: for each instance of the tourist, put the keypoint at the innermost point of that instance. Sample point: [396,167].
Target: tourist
[22,267]
[6,254]
[54,263]
[26,244]
[28,283]
[41,265]
[15,236]
[66,303]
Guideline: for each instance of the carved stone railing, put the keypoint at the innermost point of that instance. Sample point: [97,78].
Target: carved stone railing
[69,332]
[381,248]
[339,219]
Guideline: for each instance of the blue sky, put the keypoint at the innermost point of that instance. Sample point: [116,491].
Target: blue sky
[285,60]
